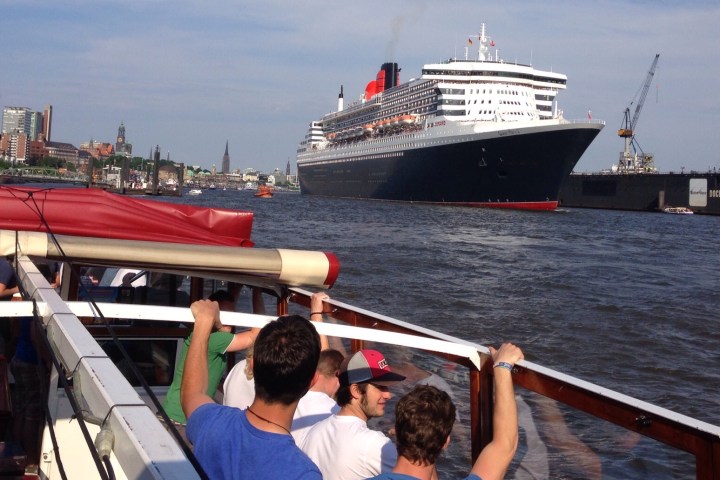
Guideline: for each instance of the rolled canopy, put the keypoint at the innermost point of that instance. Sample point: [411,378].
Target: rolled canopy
[91,212]
[98,228]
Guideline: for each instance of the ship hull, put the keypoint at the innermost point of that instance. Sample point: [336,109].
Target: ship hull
[516,168]
[700,192]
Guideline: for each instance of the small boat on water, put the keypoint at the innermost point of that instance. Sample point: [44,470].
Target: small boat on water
[195,191]
[678,210]
[114,347]
[264,191]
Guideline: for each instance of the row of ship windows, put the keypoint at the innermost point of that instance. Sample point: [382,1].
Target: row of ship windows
[489,91]
[373,115]
[419,107]
[487,113]
[474,73]
[405,91]
[427,97]
[386,155]
[482,102]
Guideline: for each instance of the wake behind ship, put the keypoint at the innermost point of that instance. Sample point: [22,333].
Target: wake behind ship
[474,132]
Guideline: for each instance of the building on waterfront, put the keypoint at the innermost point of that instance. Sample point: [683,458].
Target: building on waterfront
[226,160]
[67,152]
[24,133]
[99,150]
[16,120]
[36,126]
[14,147]
[47,122]
[121,146]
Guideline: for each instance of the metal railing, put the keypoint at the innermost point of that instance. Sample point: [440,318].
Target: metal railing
[679,432]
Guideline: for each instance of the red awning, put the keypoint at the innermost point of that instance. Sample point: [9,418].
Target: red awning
[91,212]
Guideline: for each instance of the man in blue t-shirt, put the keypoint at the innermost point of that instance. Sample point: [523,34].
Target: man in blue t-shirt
[8,284]
[425,416]
[254,443]
[8,288]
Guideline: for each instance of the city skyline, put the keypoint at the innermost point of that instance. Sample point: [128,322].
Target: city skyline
[190,78]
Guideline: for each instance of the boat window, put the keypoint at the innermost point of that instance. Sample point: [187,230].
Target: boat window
[155,359]
[572,444]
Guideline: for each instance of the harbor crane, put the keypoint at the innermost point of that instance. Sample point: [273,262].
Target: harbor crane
[630,160]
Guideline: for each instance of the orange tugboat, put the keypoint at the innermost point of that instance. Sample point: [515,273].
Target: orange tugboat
[264,191]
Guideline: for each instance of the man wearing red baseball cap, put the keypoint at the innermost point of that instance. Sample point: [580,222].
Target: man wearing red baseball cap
[342,446]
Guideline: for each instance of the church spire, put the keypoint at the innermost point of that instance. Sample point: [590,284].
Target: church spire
[226,160]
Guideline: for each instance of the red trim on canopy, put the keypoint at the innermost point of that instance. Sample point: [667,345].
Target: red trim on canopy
[92,212]
[333,269]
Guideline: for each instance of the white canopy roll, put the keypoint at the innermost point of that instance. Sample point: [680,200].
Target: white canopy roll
[290,267]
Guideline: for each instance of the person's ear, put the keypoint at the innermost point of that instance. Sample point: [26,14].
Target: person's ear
[355,391]
[447,442]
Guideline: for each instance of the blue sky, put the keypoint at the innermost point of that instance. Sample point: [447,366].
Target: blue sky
[188,75]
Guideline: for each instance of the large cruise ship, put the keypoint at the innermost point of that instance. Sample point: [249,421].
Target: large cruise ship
[476,131]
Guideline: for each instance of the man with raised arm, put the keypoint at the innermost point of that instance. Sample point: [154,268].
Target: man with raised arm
[424,419]
[221,342]
[253,443]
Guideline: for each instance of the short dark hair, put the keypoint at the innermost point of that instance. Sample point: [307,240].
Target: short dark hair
[222,296]
[285,356]
[343,395]
[423,421]
[330,361]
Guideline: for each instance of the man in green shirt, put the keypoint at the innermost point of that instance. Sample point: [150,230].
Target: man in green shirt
[221,342]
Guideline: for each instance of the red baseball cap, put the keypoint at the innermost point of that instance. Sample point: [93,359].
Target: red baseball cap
[367,366]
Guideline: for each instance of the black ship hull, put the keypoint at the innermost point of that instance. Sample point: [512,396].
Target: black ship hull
[700,192]
[516,170]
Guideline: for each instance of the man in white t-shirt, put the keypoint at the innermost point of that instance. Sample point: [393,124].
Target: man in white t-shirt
[343,446]
[239,386]
[319,402]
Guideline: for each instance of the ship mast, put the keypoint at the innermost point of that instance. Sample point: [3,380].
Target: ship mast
[483,47]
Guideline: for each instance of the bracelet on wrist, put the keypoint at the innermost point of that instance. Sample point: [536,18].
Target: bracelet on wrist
[316,313]
[503,365]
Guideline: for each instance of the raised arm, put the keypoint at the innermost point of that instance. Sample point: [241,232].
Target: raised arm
[495,458]
[316,314]
[193,392]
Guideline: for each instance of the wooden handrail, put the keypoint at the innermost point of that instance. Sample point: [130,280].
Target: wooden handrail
[674,430]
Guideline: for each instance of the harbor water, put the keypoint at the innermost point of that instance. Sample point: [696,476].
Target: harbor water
[625,300]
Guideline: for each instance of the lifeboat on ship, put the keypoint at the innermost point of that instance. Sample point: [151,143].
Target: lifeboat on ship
[368,128]
[408,119]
